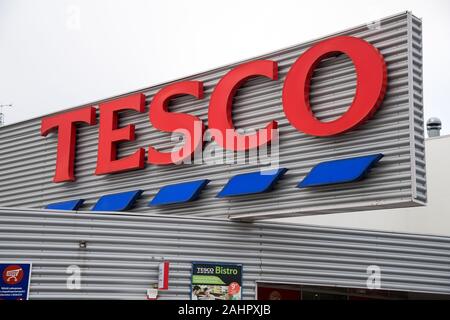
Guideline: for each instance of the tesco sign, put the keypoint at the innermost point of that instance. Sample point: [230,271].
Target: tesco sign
[371,86]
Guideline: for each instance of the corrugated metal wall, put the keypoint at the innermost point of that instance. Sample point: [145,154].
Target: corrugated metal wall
[27,160]
[123,252]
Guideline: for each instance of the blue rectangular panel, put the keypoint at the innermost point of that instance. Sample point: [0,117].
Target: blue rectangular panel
[251,183]
[66,205]
[117,202]
[179,193]
[340,171]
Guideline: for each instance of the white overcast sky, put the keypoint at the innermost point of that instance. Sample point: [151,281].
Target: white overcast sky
[57,54]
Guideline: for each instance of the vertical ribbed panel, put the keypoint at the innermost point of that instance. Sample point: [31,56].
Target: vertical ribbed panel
[416,101]
[123,252]
[27,160]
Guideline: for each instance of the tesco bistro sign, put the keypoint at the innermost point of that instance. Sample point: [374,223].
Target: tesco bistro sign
[371,73]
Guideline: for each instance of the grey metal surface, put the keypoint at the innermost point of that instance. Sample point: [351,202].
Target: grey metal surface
[27,160]
[123,252]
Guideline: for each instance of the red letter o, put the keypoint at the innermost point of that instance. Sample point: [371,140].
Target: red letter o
[370,89]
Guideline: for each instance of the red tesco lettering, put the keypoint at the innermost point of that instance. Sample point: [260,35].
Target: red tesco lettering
[371,73]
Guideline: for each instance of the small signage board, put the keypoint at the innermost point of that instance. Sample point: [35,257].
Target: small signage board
[163,278]
[152,294]
[216,281]
[15,280]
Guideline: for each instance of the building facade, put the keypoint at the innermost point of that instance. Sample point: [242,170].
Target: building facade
[96,210]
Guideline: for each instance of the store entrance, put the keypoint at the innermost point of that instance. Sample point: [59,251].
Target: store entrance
[274,291]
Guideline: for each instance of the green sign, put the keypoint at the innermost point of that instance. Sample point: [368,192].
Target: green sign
[216,281]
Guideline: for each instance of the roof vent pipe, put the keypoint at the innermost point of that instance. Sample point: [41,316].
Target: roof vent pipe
[434,126]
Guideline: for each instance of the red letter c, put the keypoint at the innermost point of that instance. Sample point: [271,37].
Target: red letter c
[221,103]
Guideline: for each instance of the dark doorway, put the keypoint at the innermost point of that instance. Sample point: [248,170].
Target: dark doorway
[308,292]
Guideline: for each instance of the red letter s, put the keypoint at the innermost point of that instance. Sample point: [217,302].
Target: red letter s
[171,121]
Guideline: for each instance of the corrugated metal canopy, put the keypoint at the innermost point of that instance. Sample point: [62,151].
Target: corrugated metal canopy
[123,251]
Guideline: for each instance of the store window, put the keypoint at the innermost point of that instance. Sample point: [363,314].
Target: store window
[266,291]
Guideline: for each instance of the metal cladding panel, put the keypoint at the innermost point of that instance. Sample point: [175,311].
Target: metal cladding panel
[123,251]
[27,160]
